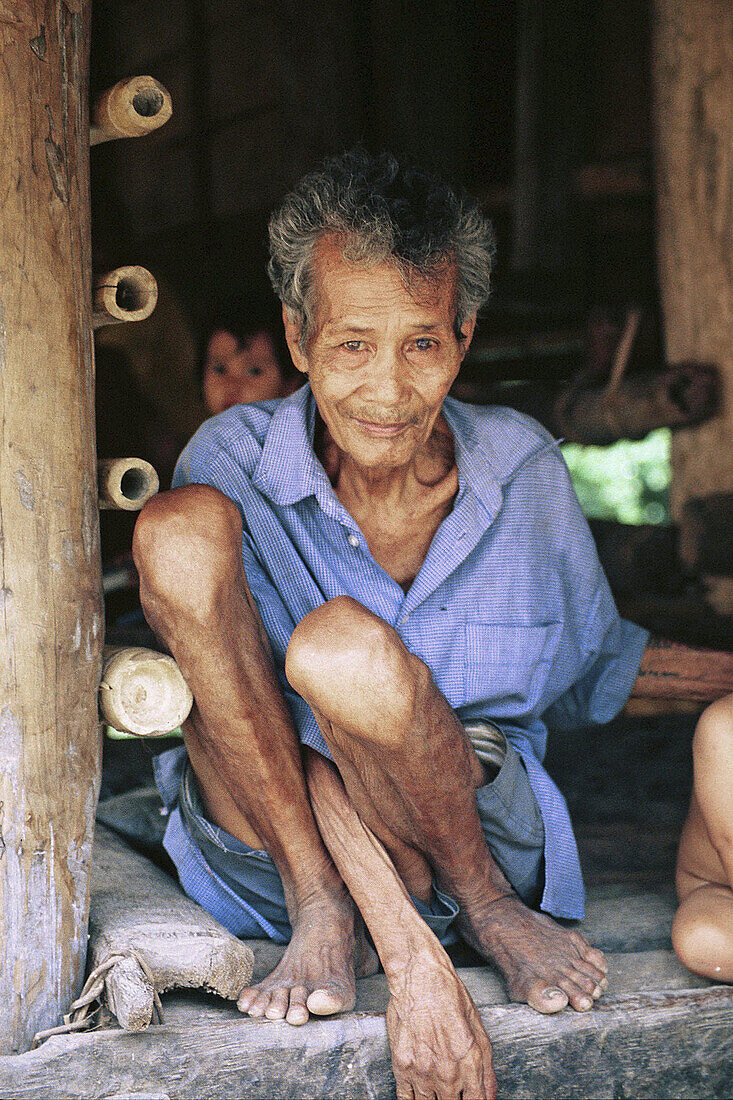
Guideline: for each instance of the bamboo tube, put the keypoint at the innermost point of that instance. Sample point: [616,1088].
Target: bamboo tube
[125,294]
[126,483]
[143,692]
[131,108]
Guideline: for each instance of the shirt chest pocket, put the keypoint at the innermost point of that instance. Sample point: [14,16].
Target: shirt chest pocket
[507,665]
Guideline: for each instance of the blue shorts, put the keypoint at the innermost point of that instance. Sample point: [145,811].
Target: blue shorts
[241,887]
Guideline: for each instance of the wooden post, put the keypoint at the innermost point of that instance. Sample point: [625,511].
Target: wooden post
[693,78]
[51,626]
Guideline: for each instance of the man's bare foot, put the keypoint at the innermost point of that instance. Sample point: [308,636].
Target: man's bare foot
[318,969]
[544,965]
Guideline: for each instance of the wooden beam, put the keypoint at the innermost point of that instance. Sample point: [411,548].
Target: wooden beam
[51,592]
[693,116]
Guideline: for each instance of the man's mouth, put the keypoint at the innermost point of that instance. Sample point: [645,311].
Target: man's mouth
[380,429]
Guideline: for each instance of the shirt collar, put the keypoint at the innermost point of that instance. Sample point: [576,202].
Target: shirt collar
[288,470]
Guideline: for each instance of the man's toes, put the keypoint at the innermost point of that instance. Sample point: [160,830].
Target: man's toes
[578,997]
[594,982]
[297,1013]
[590,954]
[246,998]
[325,1002]
[278,1006]
[546,998]
[259,1005]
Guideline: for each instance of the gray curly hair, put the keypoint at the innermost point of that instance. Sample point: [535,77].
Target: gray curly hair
[383,211]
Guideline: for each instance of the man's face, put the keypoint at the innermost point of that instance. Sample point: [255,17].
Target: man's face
[235,372]
[381,357]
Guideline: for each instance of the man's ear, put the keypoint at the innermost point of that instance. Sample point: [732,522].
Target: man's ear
[292,335]
[467,328]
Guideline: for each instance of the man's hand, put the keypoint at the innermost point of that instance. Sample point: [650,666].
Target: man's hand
[438,1043]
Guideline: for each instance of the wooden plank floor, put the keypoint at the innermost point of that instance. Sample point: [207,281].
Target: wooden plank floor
[658,1032]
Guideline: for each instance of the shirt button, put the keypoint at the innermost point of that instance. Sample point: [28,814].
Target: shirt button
[353,540]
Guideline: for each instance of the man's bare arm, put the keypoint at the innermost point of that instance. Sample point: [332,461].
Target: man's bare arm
[438,1043]
[675,677]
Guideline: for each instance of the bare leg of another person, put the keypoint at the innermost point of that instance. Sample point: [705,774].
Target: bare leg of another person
[438,1043]
[702,932]
[411,774]
[241,741]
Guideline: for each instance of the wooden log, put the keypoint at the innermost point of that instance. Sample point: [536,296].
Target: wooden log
[707,533]
[587,412]
[639,557]
[163,939]
[125,294]
[693,122]
[50,587]
[132,108]
[126,483]
[143,692]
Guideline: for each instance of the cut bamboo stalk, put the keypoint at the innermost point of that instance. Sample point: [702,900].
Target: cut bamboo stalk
[131,108]
[125,294]
[126,483]
[143,692]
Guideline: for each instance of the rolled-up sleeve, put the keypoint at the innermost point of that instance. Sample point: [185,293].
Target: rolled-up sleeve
[612,649]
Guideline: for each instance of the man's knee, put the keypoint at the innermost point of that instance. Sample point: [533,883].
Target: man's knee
[353,667]
[186,544]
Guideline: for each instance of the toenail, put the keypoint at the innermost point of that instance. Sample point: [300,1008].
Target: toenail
[552,993]
[597,991]
[585,1002]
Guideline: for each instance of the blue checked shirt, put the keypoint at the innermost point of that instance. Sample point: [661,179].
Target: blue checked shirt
[511,610]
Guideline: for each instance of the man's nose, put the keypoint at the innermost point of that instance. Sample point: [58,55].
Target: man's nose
[388,375]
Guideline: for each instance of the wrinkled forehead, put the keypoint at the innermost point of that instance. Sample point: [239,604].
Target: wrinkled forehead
[343,282]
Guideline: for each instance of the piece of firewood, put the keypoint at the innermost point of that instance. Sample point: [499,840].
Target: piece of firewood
[131,108]
[588,412]
[706,541]
[125,483]
[162,939]
[126,294]
[143,692]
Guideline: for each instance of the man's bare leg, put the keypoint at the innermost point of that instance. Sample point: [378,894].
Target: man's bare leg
[438,1043]
[411,774]
[241,740]
[702,932]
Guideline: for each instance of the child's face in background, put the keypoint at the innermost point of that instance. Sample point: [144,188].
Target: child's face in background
[236,372]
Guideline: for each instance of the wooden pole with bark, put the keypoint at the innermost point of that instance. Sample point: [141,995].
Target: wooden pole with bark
[51,595]
[693,111]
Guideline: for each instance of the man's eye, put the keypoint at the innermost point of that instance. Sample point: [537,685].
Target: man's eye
[424,343]
[353,345]
[218,368]
[255,372]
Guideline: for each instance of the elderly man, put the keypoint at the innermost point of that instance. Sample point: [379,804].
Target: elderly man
[378,596]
